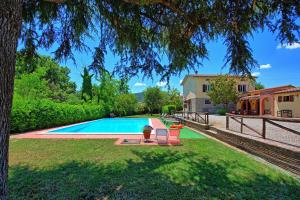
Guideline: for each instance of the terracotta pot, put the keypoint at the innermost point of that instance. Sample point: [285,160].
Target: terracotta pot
[147,134]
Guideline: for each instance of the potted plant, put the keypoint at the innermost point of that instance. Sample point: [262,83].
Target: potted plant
[147,132]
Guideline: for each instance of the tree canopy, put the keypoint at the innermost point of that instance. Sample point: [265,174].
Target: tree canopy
[223,90]
[87,88]
[259,86]
[140,31]
[45,79]
[153,99]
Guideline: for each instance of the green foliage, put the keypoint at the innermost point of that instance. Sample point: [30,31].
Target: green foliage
[31,86]
[173,97]
[123,85]
[54,79]
[140,108]
[125,104]
[222,111]
[259,86]
[223,90]
[31,115]
[86,90]
[107,91]
[45,97]
[168,109]
[138,30]
[153,99]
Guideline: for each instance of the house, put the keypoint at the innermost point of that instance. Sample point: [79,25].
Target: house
[196,86]
[282,101]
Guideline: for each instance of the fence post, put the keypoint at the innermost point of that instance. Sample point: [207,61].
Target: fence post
[264,128]
[227,122]
[242,122]
[207,118]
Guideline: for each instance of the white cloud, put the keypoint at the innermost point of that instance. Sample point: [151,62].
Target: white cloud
[294,45]
[255,74]
[180,81]
[139,84]
[161,84]
[265,66]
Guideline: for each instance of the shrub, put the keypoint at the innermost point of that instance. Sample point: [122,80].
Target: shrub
[222,111]
[32,114]
[125,104]
[168,109]
[140,108]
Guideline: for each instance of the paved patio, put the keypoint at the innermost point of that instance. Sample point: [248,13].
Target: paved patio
[43,134]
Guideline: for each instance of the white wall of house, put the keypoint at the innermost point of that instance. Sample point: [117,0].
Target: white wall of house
[193,90]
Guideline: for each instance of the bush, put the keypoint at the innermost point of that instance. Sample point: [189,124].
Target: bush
[168,109]
[31,115]
[140,108]
[222,111]
[125,104]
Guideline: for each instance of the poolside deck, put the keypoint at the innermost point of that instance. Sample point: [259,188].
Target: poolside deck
[42,134]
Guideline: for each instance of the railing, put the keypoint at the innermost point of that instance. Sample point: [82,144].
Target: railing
[263,123]
[194,116]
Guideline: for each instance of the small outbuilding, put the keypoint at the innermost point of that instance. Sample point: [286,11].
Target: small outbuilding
[282,101]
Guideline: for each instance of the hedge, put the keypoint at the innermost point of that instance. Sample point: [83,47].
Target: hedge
[168,109]
[32,115]
[222,111]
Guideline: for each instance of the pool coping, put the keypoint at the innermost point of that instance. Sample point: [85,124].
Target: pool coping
[50,132]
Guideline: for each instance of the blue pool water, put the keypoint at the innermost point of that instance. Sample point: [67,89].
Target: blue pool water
[107,126]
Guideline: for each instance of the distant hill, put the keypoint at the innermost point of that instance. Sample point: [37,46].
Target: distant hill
[139,96]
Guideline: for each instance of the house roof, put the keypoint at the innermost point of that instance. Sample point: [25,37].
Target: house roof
[296,89]
[207,75]
[270,90]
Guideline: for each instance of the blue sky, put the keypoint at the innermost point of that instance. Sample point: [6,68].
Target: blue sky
[279,65]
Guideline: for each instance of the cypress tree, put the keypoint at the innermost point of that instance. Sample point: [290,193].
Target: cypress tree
[87,88]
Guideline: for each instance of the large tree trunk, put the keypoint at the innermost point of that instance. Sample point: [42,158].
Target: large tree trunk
[10,24]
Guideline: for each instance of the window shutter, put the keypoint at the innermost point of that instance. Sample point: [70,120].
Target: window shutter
[292,98]
[280,99]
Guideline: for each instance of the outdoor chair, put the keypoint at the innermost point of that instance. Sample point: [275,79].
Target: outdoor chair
[161,132]
[174,136]
[163,117]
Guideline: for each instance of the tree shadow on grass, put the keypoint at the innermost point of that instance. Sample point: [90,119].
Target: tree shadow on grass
[153,175]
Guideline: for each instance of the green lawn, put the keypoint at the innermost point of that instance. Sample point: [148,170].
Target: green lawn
[187,133]
[97,169]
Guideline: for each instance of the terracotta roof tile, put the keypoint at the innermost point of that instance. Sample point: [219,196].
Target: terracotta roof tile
[296,89]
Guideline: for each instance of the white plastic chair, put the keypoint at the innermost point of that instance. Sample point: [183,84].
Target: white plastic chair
[161,132]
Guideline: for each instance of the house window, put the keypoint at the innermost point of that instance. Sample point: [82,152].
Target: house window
[207,101]
[242,88]
[288,98]
[205,88]
[280,99]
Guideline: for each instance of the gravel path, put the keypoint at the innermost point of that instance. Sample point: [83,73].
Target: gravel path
[272,132]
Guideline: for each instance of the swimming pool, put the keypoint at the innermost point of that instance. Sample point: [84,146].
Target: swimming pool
[106,126]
